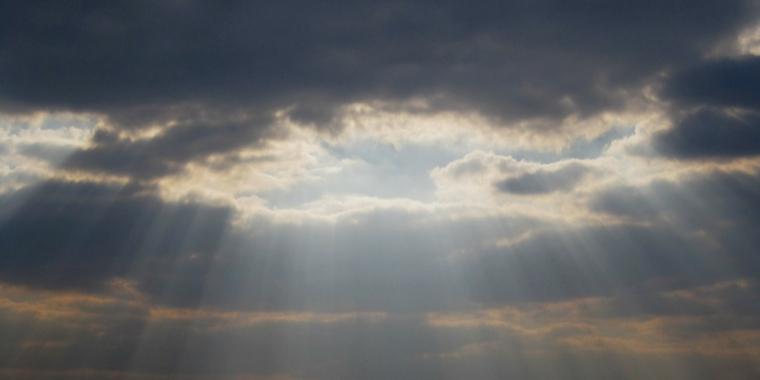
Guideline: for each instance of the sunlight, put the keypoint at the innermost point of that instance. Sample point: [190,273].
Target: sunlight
[375,190]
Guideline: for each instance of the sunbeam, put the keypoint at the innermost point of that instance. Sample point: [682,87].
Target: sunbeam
[196,190]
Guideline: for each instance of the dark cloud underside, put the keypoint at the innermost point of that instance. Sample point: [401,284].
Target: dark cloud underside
[210,73]
[168,152]
[726,123]
[544,182]
[725,83]
[712,134]
[82,235]
[499,58]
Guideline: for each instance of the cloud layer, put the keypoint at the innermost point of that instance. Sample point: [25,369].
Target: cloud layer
[379,189]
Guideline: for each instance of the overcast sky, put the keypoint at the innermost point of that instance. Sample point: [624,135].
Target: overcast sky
[357,190]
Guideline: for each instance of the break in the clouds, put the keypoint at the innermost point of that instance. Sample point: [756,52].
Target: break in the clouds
[379,189]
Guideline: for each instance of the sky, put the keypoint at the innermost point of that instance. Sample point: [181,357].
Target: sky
[359,190]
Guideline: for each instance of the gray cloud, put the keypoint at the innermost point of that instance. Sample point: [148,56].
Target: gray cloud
[711,134]
[106,57]
[594,261]
[721,205]
[705,200]
[544,182]
[116,337]
[209,77]
[83,235]
[145,64]
[383,263]
[168,152]
[716,129]
[723,83]
[80,235]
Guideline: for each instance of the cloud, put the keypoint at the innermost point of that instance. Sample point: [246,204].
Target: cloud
[723,83]
[169,151]
[391,261]
[582,262]
[117,335]
[378,190]
[711,134]
[211,78]
[80,235]
[544,182]
[123,54]
[32,147]
[715,111]
[699,200]
[374,258]
[489,179]
[717,205]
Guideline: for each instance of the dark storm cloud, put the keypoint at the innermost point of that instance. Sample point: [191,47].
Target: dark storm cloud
[723,83]
[726,123]
[711,134]
[502,59]
[143,63]
[544,182]
[80,235]
[168,152]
